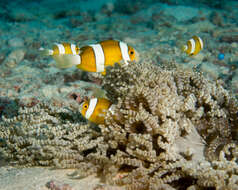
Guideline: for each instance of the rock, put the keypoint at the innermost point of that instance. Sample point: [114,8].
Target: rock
[217,19]
[229,38]
[181,13]
[214,70]
[2,57]
[14,58]
[204,26]
[16,42]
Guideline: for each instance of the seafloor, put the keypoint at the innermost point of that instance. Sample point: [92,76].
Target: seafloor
[156,29]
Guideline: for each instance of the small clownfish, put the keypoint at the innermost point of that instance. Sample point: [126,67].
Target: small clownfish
[95,109]
[94,57]
[194,46]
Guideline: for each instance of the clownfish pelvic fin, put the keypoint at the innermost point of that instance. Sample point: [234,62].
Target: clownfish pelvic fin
[103,73]
[66,61]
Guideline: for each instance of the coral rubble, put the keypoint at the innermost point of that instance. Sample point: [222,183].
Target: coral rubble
[169,129]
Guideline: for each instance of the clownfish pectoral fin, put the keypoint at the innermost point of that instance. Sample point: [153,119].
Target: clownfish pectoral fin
[103,113]
[124,63]
[46,52]
[103,73]
[66,60]
[62,61]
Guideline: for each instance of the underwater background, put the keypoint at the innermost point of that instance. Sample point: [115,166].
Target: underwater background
[35,95]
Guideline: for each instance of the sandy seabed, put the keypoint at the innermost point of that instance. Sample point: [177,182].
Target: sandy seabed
[36,178]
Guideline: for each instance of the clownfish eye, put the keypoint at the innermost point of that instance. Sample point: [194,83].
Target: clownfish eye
[131,52]
[85,106]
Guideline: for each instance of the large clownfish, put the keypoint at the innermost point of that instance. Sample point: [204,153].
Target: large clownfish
[95,109]
[193,46]
[94,57]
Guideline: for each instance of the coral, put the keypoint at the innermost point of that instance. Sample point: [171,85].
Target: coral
[168,124]
[14,58]
[168,129]
[45,135]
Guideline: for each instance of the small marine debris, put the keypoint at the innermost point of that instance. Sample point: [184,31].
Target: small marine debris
[193,46]
[56,185]
[95,109]
[94,57]
[221,56]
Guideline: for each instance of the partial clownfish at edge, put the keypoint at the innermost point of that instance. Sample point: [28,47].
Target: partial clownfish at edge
[193,46]
[94,57]
[95,109]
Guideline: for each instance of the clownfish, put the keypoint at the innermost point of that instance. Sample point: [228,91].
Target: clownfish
[95,109]
[94,57]
[193,46]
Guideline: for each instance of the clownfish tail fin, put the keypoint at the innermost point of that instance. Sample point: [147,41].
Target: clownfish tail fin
[46,52]
[184,48]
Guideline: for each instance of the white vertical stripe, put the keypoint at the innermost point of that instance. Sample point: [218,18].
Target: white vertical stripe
[201,42]
[61,48]
[192,45]
[91,107]
[124,52]
[99,57]
[73,48]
